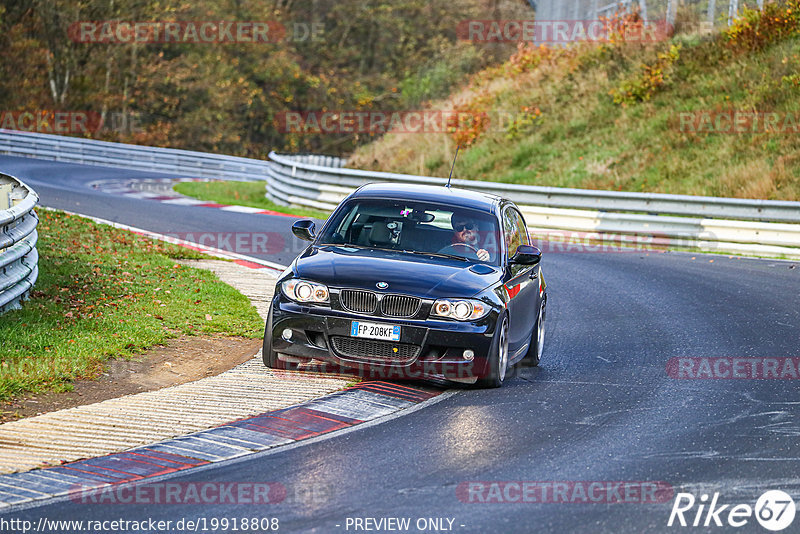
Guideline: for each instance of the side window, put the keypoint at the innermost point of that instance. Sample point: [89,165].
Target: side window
[524,237]
[516,233]
[511,231]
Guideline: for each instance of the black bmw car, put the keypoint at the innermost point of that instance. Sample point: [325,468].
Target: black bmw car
[418,282]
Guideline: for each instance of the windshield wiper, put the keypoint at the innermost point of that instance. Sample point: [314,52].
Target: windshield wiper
[417,252]
[438,255]
[342,245]
[362,247]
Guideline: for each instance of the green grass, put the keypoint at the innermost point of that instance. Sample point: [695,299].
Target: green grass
[105,293]
[583,139]
[242,194]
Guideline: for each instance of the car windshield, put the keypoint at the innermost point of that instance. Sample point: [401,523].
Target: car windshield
[415,227]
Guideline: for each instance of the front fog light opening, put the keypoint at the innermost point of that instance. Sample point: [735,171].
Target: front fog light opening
[287,334]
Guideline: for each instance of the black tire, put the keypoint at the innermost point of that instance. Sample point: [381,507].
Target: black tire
[534,354]
[498,358]
[269,356]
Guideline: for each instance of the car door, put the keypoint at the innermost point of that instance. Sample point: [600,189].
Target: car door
[523,283]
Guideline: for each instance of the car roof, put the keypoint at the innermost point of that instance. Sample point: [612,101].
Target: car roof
[430,193]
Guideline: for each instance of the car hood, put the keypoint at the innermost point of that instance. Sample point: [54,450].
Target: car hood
[424,276]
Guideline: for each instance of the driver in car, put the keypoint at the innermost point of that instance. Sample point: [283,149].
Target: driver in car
[465,237]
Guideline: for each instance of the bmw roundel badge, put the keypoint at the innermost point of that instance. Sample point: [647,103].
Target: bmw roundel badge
[382,285]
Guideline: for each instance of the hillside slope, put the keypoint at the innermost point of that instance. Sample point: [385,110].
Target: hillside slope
[630,116]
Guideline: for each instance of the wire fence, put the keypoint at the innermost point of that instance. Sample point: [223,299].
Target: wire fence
[715,13]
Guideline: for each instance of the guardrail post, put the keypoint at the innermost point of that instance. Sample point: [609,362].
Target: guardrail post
[5,196]
[672,12]
[643,11]
[712,13]
[733,11]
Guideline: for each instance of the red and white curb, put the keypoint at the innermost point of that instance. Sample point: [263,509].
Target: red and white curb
[160,190]
[368,401]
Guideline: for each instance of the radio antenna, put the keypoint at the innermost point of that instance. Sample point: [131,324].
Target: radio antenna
[453,167]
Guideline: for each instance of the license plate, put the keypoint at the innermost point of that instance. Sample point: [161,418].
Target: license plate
[375,331]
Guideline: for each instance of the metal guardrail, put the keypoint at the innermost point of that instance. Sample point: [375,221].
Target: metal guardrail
[136,157]
[304,178]
[19,259]
[740,226]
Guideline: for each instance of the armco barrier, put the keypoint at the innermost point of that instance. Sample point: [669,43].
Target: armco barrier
[739,226]
[18,256]
[120,155]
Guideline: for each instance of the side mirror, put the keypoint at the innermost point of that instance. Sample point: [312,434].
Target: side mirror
[305,230]
[527,255]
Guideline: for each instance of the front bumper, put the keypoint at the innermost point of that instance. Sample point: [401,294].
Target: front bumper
[427,349]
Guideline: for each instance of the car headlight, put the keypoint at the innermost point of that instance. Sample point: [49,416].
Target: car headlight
[305,291]
[459,309]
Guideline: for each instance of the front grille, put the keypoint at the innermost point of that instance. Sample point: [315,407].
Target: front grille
[367,349]
[358,301]
[400,306]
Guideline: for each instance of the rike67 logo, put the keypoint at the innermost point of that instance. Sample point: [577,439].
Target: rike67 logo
[774,510]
